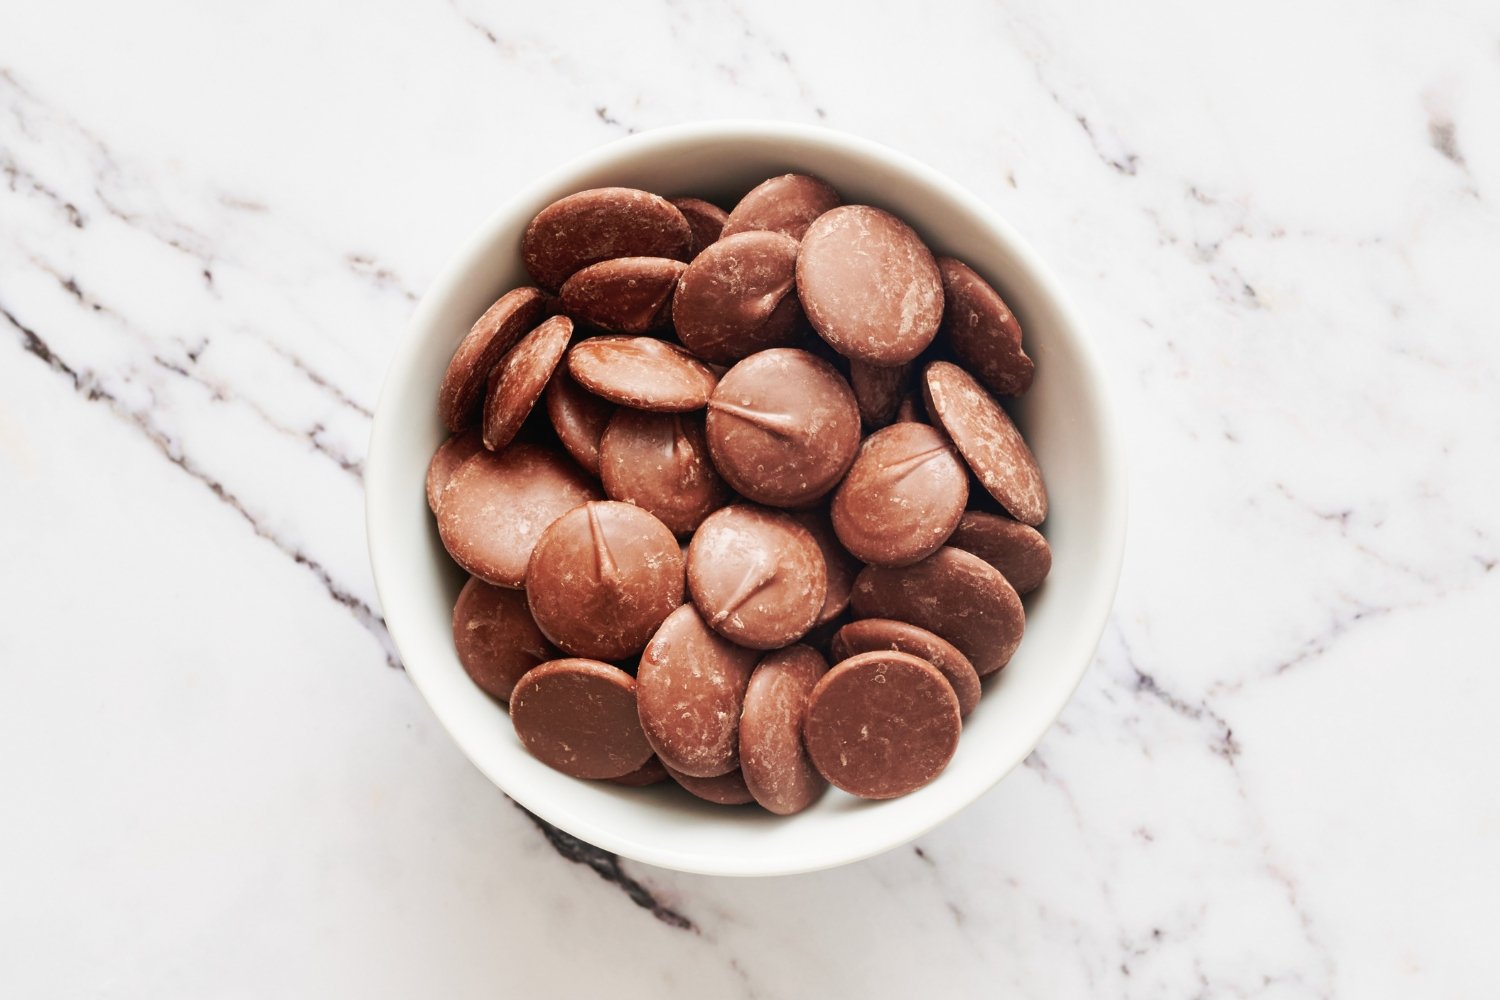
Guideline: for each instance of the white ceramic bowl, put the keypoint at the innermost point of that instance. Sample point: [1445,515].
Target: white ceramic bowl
[1065,416]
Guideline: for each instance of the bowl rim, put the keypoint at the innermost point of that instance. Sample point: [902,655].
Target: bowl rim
[1113,496]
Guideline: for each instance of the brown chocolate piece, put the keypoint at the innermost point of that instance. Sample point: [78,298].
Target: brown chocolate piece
[653,772]
[869,286]
[773,762]
[452,453]
[578,416]
[1017,550]
[601,224]
[870,634]
[953,593]
[518,380]
[902,497]
[757,576]
[987,439]
[879,390]
[839,564]
[625,295]
[691,684]
[497,505]
[738,297]
[787,204]
[910,411]
[496,639]
[578,716]
[783,427]
[722,790]
[643,373]
[488,339]
[982,330]
[882,724]
[602,578]
[660,463]
[705,219]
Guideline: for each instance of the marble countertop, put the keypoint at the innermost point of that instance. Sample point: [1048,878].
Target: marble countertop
[1280,779]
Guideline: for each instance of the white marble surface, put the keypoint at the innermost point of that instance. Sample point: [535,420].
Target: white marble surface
[1280,777]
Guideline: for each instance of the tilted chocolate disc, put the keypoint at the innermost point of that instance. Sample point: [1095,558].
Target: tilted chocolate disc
[982,330]
[879,391]
[738,297]
[518,380]
[839,564]
[488,339]
[690,688]
[704,218]
[882,724]
[642,373]
[756,575]
[1017,550]
[497,505]
[602,578]
[773,761]
[626,295]
[910,411]
[953,593]
[578,716]
[578,416]
[650,773]
[660,463]
[452,453]
[496,639]
[601,224]
[987,439]
[787,205]
[903,496]
[722,790]
[870,634]
[869,286]
[783,427]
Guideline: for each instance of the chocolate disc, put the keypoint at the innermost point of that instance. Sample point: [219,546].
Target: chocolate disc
[626,295]
[787,204]
[690,685]
[1017,550]
[578,416]
[903,496]
[953,593]
[705,219]
[660,463]
[738,297]
[982,330]
[602,578]
[602,224]
[650,773]
[910,411]
[773,762]
[839,564]
[578,716]
[452,453]
[518,380]
[987,439]
[488,339]
[722,790]
[497,505]
[882,724]
[879,391]
[869,285]
[783,427]
[495,637]
[757,576]
[643,373]
[870,634]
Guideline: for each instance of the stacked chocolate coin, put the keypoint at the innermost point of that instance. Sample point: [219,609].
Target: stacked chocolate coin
[738,500]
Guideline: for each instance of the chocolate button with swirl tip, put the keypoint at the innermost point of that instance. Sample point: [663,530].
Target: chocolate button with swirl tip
[578,716]
[497,505]
[660,463]
[987,439]
[783,427]
[773,761]
[722,789]
[879,391]
[601,224]
[757,576]
[738,297]
[452,453]
[870,634]
[643,373]
[882,724]
[691,686]
[837,562]
[602,578]
[626,295]
[1017,550]
[953,593]
[903,496]
[488,339]
[982,330]
[578,416]
[704,218]
[787,205]
[518,380]
[869,286]
[496,639]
